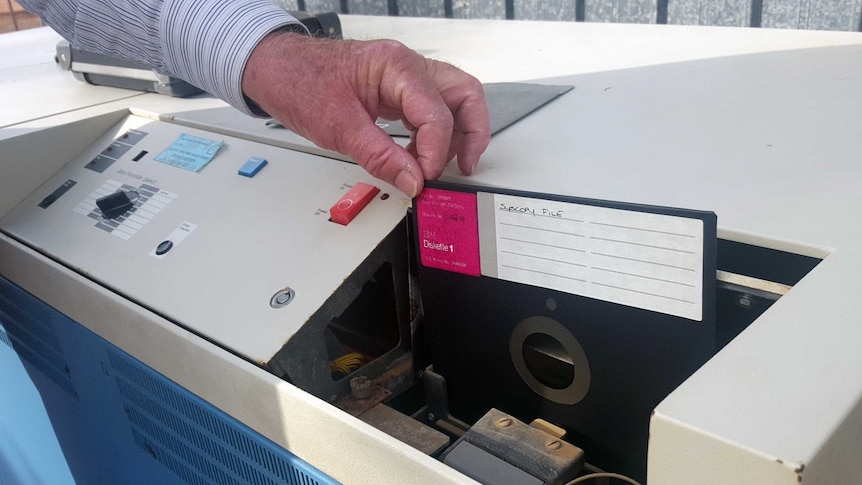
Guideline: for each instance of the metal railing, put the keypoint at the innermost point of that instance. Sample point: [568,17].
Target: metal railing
[843,15]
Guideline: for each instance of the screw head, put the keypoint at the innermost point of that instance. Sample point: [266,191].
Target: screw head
[504,422]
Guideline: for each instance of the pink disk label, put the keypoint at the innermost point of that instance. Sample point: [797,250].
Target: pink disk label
[449,231]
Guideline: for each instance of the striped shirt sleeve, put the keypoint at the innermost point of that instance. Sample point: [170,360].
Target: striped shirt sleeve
[204,42]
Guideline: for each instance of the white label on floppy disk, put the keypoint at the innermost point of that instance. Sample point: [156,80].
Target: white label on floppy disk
[638,259]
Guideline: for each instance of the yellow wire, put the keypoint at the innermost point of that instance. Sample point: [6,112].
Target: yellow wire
[347,363]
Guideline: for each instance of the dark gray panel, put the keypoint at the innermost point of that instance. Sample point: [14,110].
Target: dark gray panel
[507,103]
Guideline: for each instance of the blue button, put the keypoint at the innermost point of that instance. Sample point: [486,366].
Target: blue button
[252,167]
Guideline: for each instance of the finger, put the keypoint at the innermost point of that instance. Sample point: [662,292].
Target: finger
[411,147]
[374,150]
[453,148]
[474,134]
[433,122]
[425,113]
[465,97]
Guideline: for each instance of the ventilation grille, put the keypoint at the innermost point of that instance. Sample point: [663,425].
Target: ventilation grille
[29,329]
[196,441]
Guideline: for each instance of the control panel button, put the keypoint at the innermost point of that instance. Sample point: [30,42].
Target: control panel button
[352,203]
[164,247]
[56,194]
[116,204]
[252,167]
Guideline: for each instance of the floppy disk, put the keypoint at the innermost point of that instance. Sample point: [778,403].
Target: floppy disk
[583,312]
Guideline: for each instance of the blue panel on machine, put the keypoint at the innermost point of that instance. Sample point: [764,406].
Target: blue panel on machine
[119,421]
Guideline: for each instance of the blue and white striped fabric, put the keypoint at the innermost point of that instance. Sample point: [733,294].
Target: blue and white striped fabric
[204,42]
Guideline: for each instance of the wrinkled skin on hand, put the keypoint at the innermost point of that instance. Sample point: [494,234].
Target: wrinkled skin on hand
[333,91]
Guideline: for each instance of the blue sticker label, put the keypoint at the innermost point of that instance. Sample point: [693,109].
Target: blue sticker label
[190,152]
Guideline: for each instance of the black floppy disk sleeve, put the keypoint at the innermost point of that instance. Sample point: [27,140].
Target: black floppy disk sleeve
[628,358]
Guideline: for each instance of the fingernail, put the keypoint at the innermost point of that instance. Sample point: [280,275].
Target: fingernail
[473,168]
[407,183]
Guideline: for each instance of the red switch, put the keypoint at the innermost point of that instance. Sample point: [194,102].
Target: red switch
[352,203]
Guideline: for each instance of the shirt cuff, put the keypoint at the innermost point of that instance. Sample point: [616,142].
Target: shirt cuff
[208,42]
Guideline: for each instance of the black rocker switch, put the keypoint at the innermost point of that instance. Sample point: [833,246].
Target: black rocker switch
[116,204]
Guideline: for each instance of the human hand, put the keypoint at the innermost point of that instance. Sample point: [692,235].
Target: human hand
[333,91]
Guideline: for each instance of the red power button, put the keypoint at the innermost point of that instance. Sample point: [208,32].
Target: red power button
[352,203]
